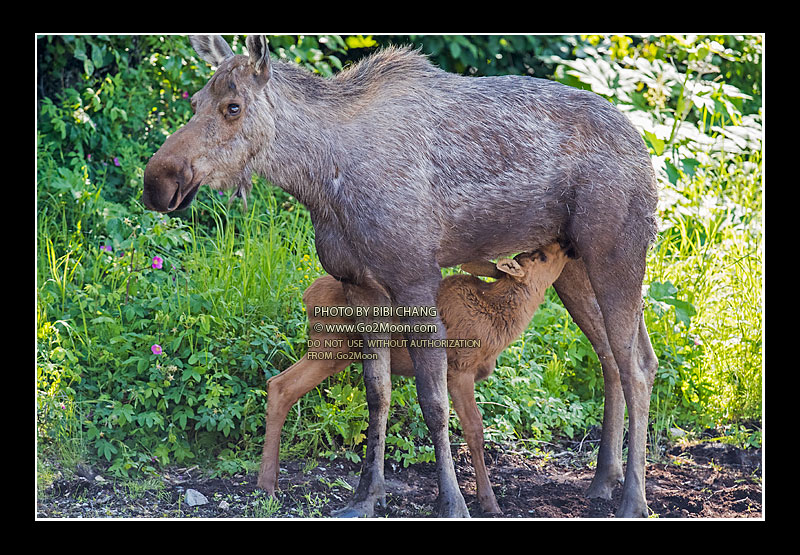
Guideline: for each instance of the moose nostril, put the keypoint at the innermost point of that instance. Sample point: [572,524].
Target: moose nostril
[176,199]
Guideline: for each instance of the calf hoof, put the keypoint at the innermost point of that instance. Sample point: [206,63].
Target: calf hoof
[490,507]
[266,485]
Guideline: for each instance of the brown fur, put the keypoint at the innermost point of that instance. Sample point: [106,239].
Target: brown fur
[492,313]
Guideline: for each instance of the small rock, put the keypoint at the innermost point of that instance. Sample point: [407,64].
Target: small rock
[676,433]
[85,471]
[194,498]
[224,505]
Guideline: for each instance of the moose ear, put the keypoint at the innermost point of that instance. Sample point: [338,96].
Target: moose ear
[511,267]
[259,57]
[212,48]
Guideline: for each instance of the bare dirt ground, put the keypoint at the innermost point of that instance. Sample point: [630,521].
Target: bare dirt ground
[705,480]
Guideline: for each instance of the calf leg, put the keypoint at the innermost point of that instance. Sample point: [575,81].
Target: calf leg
[462,391]
[283,391]
[575,291]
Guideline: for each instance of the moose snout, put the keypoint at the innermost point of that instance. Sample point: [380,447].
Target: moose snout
[168,183]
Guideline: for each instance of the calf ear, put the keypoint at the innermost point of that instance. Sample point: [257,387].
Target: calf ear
[481,268]
[259,57]
[510,266]
[212,48]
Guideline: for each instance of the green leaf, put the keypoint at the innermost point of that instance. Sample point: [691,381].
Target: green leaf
[661,291]
[689,166]
[656,143]
[673,174]
[98,53]
[125,414]
[182,415]
[684,310]
[105,449]
[191,373]
[360,41]
[80,50]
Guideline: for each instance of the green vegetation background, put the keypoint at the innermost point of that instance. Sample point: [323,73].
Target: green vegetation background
[156,333]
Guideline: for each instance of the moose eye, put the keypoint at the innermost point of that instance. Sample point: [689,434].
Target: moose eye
[234,109]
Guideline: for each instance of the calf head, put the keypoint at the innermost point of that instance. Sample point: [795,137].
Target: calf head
[228,127]
[543,264]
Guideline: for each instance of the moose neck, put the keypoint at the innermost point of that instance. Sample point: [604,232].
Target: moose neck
[301,154]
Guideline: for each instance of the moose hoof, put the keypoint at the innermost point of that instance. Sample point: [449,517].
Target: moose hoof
[360,510]
[452,508]
[603,488]
[632,509]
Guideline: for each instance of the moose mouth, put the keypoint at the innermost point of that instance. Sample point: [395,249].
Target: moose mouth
[179,202]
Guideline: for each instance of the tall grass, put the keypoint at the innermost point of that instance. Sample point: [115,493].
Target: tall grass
[254,264]
[711,248]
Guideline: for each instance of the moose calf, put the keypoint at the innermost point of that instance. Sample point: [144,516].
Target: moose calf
[491,314]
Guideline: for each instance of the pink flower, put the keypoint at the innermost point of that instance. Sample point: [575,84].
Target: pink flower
[157,350]
[157,262]
[116,161]
[106,248]
[185,95]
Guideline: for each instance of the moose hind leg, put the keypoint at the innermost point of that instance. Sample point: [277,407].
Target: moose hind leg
[575,291]
[616,276]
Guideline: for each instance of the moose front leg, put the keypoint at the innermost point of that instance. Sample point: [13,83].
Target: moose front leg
[377,381]
[371,488]
[430,372]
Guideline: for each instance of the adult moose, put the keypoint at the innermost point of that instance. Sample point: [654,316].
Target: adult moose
[406,169]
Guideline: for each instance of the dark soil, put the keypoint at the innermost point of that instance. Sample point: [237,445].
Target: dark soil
[704,480]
